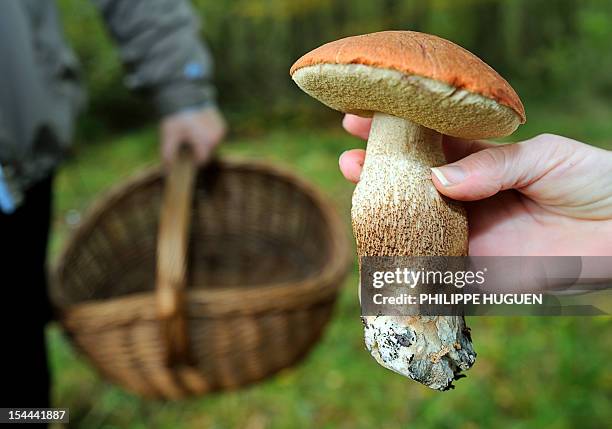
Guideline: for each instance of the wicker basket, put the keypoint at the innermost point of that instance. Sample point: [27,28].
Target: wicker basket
[239,285]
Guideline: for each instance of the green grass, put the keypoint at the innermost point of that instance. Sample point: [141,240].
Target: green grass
[531,372]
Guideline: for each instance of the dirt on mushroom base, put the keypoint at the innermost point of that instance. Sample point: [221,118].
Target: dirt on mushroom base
[431,350]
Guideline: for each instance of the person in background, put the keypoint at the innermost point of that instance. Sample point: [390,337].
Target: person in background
[39,100]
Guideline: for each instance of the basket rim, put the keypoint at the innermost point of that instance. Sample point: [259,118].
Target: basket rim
[321,285]
[100,315]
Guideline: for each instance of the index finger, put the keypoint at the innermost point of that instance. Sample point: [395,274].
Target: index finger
[357,126]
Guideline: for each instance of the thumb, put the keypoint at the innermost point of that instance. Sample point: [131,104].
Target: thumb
[486,172]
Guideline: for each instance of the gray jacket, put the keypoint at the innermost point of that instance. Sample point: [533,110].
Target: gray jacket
[39,84]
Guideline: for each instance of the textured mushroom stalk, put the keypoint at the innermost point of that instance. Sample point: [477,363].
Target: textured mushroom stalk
[398,212]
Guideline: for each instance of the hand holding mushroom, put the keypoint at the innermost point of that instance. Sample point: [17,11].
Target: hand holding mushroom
[545,196]
[417,88]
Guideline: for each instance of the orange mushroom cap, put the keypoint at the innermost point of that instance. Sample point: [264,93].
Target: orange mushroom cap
[411,55]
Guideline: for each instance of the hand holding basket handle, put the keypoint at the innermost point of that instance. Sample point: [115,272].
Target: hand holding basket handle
[172,250]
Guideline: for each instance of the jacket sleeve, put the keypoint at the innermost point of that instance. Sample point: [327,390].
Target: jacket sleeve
[160,47]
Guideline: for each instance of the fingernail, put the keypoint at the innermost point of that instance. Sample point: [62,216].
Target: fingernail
[450,175]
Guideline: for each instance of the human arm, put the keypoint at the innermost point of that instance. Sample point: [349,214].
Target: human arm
[159,44]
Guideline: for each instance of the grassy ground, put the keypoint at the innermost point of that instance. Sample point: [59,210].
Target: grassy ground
[531,372]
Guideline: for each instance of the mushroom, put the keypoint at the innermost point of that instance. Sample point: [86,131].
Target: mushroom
[417,87]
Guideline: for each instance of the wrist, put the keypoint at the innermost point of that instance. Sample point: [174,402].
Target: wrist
[184,96]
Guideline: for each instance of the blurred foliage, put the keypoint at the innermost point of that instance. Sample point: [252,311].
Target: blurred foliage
[553,49]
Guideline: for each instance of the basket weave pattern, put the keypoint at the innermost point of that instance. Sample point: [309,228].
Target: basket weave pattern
[266,257]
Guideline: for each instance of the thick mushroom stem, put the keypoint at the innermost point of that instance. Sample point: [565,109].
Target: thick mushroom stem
[397,211]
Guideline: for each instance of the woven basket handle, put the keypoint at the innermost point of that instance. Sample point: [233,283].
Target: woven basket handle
[172,250]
